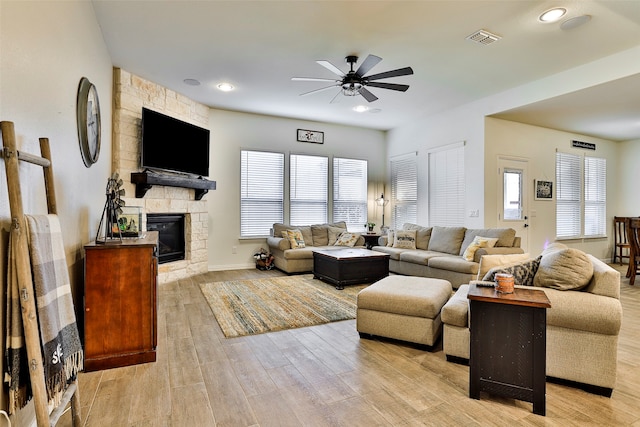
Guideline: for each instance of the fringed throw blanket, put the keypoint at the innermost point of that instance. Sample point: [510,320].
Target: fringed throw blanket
[62,351]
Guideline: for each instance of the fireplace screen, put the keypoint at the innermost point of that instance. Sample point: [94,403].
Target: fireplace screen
[170,229]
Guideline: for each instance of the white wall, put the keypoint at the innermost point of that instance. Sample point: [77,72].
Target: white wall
[628,203]
[233,131]
[467,124]
[538,145]
[46,48]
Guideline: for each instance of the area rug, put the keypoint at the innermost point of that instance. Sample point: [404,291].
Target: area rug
[247,307]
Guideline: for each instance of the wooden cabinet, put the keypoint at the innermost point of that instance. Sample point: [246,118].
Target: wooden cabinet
[120,307]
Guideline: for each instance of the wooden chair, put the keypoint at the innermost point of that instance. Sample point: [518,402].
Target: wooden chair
[621,246]
[633,230]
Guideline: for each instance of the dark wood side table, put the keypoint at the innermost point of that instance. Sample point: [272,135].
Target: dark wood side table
[371,239]
[508,344]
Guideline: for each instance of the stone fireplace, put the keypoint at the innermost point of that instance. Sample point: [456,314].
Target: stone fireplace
[130,94]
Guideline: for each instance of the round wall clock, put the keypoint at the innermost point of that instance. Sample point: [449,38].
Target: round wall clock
[88,118]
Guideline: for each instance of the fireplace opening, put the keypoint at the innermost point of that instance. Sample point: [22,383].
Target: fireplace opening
[170,228]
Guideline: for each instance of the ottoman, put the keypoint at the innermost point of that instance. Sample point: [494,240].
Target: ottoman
[405,308]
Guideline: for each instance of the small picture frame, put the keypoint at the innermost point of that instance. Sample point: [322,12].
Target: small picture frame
[314,136]
[543,190]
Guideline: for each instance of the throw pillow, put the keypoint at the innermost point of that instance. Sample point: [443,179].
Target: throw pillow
[295,238]
[347,239]
[487,262]
[523,273]
[333,233]
[391,235]
[405,239]
[564,269]
[477,243]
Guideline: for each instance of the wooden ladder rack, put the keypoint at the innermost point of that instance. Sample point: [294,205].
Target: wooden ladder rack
[27,301]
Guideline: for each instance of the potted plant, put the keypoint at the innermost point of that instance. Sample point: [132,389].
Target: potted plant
[369,226]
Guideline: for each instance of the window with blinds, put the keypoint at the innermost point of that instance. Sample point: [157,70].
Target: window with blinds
[446,186]
[350,192]
[308,189]
[261,192]
[404,190]
[581,197]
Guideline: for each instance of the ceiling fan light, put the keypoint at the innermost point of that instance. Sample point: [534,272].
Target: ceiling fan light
[552,15]
[351,89]
[360,108]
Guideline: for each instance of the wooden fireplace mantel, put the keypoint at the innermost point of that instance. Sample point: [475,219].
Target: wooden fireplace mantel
[147,179]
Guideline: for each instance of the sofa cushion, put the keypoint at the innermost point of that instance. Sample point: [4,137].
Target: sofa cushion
[478,242]
[347,239]
[564,269]
[320,235]
[405,239]
[584,311]
[456,311]
[505,236]
[302,253]
[419,256]
[394,253]
[446,239]
[487,262]
[523,273]
[423,234]
[454,263]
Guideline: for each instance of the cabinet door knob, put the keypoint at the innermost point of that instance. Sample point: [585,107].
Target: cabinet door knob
[87,309]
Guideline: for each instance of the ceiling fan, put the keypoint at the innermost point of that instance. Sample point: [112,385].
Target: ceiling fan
[355,83]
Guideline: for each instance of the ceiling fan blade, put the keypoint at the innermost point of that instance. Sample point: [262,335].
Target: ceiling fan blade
[336,98]
[394,73]
[329,66]
[312,79]
[367,95]
[392,86]
[318,90]
[370,62]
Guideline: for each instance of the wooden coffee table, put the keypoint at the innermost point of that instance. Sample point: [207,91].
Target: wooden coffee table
[349,266]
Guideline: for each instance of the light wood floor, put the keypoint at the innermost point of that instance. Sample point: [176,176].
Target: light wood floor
[324,376]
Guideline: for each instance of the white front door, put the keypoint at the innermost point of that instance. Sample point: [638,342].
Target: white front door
[513,188]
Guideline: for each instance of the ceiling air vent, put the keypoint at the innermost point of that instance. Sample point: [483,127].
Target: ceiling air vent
[483,37]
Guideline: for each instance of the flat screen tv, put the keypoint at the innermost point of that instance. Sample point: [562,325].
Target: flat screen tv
[169,144]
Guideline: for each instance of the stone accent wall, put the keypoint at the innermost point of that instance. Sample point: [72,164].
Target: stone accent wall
[130,94]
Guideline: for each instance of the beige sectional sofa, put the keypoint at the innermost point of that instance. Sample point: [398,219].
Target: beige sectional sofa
[582,324]
[438,252]
[300,260]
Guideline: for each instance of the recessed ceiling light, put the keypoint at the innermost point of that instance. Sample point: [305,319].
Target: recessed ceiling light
[225,87]
[191,82]
[360,108]
[552,15]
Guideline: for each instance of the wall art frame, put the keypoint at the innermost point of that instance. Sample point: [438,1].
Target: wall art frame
[305,135]
[543,189]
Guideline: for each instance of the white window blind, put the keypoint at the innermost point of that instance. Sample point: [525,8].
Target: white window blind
[580,196]
[350,192]
[261,192]
[308,189]
[446,186]
[404,190]
[595,196]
